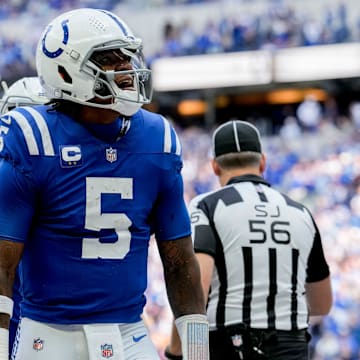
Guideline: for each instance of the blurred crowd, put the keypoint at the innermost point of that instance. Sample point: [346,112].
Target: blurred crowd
[279,25]
[9,7]
[276,24]
[321,168]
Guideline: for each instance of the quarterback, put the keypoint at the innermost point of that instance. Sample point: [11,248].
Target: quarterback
[85,180]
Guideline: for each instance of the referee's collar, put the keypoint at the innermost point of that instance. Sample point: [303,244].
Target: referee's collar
[248,177]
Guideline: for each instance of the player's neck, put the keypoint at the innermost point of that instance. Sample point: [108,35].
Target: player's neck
[87,114]
[92,115]
[225,176]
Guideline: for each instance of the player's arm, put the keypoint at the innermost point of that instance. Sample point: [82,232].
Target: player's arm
[16,212]
[10,254]
[319,297]
[182,278]
[206,264]
[318,282]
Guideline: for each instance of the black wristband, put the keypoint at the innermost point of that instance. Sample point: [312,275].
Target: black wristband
[171,356]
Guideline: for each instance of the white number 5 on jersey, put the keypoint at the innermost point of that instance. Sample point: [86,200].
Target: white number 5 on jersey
[92,248]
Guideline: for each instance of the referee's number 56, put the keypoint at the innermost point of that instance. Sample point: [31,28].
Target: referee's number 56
[277,231]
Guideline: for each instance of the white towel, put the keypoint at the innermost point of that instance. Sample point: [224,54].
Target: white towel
[104,342]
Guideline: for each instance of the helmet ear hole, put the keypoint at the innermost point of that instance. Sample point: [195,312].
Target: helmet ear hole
[64,74]
[102,88]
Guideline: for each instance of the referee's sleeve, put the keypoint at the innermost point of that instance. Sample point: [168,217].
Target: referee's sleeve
[204,235]
[317,267]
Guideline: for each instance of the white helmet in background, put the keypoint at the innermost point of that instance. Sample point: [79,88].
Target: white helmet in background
[65,61]
[25,91]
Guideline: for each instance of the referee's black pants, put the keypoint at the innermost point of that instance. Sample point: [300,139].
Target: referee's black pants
[285,345]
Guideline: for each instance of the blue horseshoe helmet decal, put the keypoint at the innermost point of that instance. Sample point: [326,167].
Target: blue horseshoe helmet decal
[58,52]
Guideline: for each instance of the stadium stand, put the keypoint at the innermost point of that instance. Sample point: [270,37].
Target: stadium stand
[193,27]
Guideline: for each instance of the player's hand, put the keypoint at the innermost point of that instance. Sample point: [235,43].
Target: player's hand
[171,356]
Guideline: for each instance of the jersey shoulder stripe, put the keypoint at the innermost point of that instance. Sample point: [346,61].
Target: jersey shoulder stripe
[35,131]
[27,131]
[159,134]
[171,140]
[44,131]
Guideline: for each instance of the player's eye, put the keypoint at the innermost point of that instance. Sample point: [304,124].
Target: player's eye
[109,58]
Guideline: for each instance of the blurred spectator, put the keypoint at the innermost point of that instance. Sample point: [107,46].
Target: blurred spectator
[309,113]
[187,38]
[291,129]
[355,114]
[172,45]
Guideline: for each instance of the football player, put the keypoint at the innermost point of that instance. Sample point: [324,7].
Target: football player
[25,91]
[84,182]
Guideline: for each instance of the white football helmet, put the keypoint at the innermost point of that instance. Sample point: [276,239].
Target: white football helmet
[25,91]
[65,61]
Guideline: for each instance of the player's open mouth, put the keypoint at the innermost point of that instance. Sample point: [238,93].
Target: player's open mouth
[126,84]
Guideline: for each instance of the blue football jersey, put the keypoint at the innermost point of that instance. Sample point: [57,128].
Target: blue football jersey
[85,210]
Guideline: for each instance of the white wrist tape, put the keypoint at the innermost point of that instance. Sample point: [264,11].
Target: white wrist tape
[6,305]
[194,334]
[4,343]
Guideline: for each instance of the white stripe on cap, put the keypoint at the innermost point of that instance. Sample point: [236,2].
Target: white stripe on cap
[238,148]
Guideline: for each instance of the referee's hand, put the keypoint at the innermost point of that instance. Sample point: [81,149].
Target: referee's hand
[171,356]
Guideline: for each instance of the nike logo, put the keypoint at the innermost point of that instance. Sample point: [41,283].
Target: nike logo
[138,338]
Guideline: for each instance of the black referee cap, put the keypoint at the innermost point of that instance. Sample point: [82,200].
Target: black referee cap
[236,136]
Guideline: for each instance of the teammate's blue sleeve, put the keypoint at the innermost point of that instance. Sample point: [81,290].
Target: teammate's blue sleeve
[16,190]
[16,205]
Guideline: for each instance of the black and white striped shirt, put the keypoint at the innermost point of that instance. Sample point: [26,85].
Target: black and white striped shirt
[265,246]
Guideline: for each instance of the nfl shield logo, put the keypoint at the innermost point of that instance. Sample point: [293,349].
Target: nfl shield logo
[38,344]
[237,340]
[107,351]
[111,155]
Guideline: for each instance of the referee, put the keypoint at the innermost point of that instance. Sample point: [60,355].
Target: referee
[262,263]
